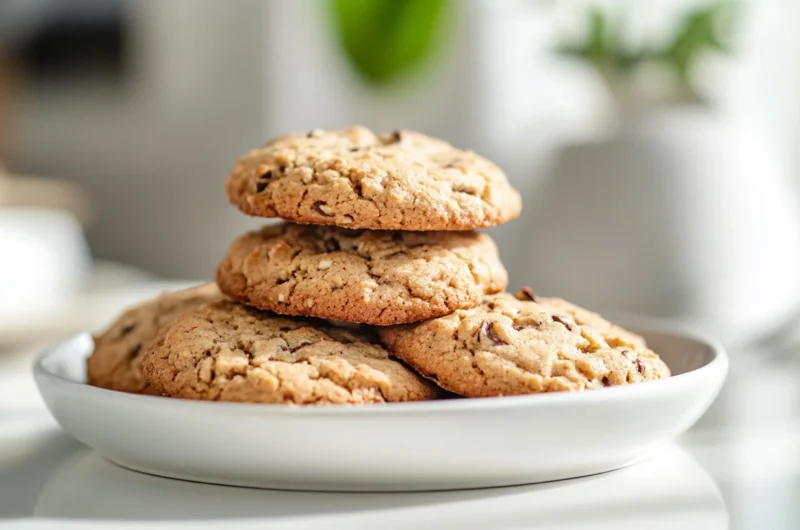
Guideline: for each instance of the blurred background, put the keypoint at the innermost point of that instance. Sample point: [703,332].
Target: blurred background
[654,143]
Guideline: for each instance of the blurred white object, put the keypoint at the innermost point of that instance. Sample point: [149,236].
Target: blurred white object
[107,290]
[683,214]
[43,259]
[43,193]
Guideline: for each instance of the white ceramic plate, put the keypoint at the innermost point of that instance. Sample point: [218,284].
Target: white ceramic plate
[449,444]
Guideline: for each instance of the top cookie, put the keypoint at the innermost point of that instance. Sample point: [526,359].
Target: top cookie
[224,351]
[116,362]
[357,179]
[523,345]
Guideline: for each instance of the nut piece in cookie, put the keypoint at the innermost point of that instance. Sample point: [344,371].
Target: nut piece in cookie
[116,361]
[356,178]
[370,277]
[523,345]
[224,351]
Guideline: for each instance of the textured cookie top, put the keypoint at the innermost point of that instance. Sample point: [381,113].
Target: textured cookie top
[523,345]
[116,360]
[357,179]
[371,277]
[225,351]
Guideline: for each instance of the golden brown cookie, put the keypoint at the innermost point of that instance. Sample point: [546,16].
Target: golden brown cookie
[116,360]
[523,345]
[358,179]
[371,277]
[225,351]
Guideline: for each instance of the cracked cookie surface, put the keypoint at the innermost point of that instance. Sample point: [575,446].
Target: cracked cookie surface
[371,277]
[224,351]
[116,360]
[358,179]
[523,345]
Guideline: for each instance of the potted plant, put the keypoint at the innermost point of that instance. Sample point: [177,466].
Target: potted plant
[682,211]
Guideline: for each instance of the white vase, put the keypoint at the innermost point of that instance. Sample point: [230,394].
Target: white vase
[682,214]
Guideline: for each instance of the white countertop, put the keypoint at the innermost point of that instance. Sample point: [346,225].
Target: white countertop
[739,467]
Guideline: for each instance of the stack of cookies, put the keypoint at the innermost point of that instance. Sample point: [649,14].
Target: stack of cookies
[375,287]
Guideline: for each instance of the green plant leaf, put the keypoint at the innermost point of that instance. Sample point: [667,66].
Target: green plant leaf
[600,47]
[702,29]
[383,39]
[699,33]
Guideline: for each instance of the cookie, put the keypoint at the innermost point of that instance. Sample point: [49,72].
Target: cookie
[358,179]
[523,345]
[371,277]
[224,351]
[116,360]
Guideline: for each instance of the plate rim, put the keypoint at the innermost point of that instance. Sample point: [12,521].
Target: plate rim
[719,363]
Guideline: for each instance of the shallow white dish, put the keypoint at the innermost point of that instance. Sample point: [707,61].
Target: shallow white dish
[448,444]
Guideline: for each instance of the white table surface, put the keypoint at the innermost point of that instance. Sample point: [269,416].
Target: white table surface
[739,467]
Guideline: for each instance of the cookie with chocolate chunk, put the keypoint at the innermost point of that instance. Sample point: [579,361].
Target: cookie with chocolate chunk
[364,276]
[523,345]
[116,360]
[356,178]
[225,351]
